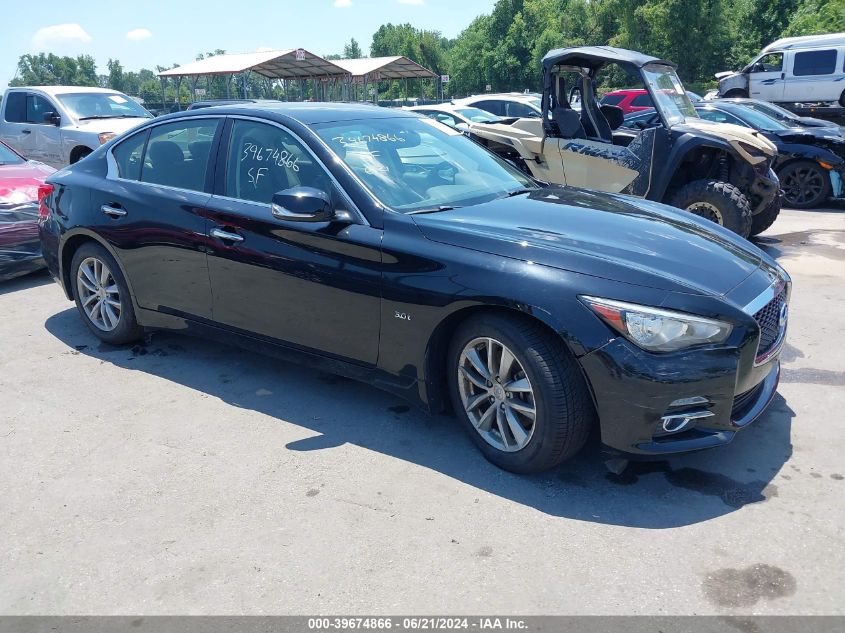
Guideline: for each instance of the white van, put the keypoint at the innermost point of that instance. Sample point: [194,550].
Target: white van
[809,69]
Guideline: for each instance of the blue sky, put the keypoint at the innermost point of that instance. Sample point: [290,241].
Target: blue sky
[145,33]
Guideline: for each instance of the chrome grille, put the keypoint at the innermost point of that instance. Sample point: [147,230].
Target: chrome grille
[771,328]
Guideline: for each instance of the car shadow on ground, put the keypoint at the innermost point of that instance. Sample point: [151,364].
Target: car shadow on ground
[25,282]
[657,494]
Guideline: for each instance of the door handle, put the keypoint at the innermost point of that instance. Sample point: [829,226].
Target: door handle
[220,234]
[113,212]
[26,131]
[783,75]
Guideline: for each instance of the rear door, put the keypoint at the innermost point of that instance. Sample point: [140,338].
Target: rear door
[152,210]
[308,284]
[813,76]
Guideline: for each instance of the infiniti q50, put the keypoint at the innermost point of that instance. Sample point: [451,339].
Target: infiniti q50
[390,248]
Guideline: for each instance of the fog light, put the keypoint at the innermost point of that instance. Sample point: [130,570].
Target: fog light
[675,422]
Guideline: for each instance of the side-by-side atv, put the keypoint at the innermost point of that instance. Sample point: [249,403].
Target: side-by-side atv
[718,171]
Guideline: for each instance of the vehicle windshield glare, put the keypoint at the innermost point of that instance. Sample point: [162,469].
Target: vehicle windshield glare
[670,98]
[8,157]
[418,164]
[476,115]
[102,105]
[771,110]
[761,121]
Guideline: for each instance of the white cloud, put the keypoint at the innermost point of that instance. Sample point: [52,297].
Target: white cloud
[417,2]
[137,35]
[342,3]
[59,34]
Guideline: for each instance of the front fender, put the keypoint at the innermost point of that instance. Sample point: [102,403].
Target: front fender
[733,81]
[682,146]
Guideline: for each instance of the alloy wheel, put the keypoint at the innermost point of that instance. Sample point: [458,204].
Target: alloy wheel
[496,394]
[707,211]
[99,294]
[802,185]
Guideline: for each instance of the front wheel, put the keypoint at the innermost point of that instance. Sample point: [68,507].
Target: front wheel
[736,93]
[102,296]
[519,393]
[717,201]
[805,184]
[766,217]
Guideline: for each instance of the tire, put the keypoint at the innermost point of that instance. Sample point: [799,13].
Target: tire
[842,99]
[563,410]
[766,217]
[89,291]
[805,184]
[736,93]
[80,155]
[718,201]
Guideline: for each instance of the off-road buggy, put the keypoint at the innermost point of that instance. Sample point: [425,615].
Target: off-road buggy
[718,171]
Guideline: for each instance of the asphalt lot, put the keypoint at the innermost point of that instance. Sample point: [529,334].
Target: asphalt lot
[187,477]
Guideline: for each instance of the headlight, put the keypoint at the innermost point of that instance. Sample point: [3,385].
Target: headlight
[658,330]
[105,137]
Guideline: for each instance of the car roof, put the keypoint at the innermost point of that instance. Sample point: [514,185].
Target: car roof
[500,96]
[627,91]
[306,113]
[595,57]
[60,90]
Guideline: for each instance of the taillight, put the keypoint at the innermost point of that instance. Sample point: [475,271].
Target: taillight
[44,191]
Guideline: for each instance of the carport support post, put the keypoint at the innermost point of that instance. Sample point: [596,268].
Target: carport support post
[163,92]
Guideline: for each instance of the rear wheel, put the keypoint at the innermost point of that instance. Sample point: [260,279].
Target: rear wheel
[717,201]
[805,184]
[842,99]
[102,296]
[766,217]
[519,393]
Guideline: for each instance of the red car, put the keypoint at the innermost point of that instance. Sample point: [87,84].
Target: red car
[634,100]
[20,248]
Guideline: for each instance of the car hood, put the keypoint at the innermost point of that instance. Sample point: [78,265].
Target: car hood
[116,126]
[729,132]
[810,135]
[604,235]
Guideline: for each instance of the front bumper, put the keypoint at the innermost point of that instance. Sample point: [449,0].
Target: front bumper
[635,390]
[765,189]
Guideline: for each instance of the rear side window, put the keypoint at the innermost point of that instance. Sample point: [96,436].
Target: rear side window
[494,107]
[129,156]
[177,153]
[814,63]
[264,159]
[611,99]
[16,107]
[642,101]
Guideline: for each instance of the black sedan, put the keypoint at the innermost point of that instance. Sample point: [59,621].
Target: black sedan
[390,248]
[810,162]
[785,116]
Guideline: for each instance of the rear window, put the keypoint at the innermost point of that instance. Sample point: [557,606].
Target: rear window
[642,101]
[814,63]
[611,99]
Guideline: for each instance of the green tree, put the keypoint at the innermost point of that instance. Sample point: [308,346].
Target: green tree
[116,77]
[352,50]
[817,16]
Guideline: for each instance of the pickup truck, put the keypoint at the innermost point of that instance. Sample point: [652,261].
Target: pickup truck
[60,125]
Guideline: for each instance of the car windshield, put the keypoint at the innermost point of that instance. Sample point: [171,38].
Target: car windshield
[8,157]
[420,165]
[102,105]
[476,115]
[758,120]
[771,110]
[669,94]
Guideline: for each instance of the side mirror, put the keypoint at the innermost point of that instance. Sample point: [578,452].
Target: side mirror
[462,127]
[302,204]
[52,118]
[757,68]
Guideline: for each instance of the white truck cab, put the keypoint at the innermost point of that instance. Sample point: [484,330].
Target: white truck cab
[59,125]
[807,69]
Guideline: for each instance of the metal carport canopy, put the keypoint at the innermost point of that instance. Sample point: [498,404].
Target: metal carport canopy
[385,68]
[281,64]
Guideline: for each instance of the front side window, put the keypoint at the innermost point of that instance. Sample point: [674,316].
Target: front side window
[514,108]
[177,153]
[36,107]
[415,165]
[129,156]
[814,63]
[611,99]
[476,115]
[102,105]
[263,159]
[773,62]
